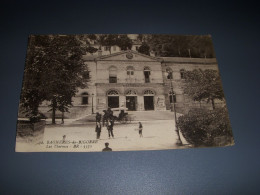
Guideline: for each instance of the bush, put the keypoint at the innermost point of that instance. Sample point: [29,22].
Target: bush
[206,127]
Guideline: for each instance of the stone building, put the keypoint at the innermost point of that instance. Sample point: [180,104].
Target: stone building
[133,80]
[136,81]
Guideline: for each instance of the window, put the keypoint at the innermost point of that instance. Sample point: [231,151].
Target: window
[182,71]
[172,97]
[169,73]
[113,99]
[149,92]
[130,70]
[131,92]
[84,98]
[112,93]
[147,73]
[112,79]
[112,74]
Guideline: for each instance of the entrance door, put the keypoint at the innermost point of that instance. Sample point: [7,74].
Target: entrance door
[113,101]
[148,103]
[131,103]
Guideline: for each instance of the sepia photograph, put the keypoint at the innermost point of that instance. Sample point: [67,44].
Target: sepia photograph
[121,92]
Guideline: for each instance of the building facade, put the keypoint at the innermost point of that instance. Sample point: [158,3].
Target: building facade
[136,81]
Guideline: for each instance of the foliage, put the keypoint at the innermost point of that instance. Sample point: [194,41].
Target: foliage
[203,85]
[91,50]
[124,42]
[53,72]
[202,127]
[179,45]
[110,40]
[162,45]
[144,49]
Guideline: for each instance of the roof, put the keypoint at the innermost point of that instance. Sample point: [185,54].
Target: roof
[128,51]
[189,60]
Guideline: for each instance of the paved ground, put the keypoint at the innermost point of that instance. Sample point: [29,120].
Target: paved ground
[157,135]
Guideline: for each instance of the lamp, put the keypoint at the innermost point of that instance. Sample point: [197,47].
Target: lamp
[173,109]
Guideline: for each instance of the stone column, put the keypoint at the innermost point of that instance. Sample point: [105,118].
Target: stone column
[140,103]
[122,101]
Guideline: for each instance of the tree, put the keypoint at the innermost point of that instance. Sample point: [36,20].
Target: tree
[124,42]
[110,40]
[107,40]
[206,127]
[203,85]
[91,50]
[206,47]
[179,45]
[98,38]
[144,49]
[54,71]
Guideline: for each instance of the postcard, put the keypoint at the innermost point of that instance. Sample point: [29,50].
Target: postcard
[121,92]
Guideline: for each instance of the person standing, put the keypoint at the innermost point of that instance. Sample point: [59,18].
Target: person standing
[105,118]
[140,129]
[110,112]
[98,117]
[110,126]
[107,149]
[98,129]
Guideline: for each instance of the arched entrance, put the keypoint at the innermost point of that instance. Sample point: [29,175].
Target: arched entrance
[131,99]
[149,100]
[113,99]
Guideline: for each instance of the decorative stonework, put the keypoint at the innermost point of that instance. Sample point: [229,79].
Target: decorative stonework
[131,93]
[149,93]
[112,93]
[129,55]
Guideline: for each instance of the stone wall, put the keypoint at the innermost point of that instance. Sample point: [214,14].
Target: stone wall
[30,132]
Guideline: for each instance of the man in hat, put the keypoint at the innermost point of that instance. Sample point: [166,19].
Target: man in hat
[107,149]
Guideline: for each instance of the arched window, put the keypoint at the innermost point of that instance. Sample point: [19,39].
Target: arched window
[149,93]
[112,74]
[131,92]
[169,73]
[112,92]
[84,98]
[172,97]
[147,73]
[113,98]
[182,71]
[149,99]
[130,71]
